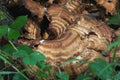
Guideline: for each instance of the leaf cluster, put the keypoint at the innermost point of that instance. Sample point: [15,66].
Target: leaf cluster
[13,31]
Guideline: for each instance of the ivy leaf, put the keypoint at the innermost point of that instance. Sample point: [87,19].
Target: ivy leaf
[44,66]
[33,58]
[62,76]
[19,22]
[101,68]
[20,53]
[42,74]
[18,77]
[3,30]
[25,48]
[13,34]
[8,49]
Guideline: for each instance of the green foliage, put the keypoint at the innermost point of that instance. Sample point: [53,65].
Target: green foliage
[3,57]
[114,44]
[6,72]
[13,34]
[18,77]
[44,66]
[117,77]
[25,48]
[85,76]
[62,75]
[33,58]
[19,22]
[3,30]
[12,31]
[23,52]
[28,55]
[1,78]
[2,15]
[42,75]
[115,19]
[20,53]
[102,69]
[8,49]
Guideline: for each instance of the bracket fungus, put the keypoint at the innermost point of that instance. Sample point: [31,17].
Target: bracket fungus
[71,34]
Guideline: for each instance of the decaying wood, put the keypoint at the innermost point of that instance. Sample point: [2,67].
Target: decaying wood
[71,35]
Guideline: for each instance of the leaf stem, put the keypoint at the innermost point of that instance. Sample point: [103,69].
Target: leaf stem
[13,45]
[5,60]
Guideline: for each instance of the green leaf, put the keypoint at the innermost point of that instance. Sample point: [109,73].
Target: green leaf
[44,66]
[114,19]
[19,22]
[13,34]
[8,49]
[113,45]
[3,30]
[25,48]
[62,76]
[1,77]
[18,77]
[117,77]
[42,74]
[84,78]
[20,53]
[2,15]
[33,58]
[101,68]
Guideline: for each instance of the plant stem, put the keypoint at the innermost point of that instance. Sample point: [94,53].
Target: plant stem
[5,60]
[13,45]
[114,54]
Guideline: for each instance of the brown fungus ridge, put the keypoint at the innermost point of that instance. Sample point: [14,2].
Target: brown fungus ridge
[109,5]
[77,67]
[97,27]
[35,8]
[90,39]
[67,47]
[32,34]
[60,18]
